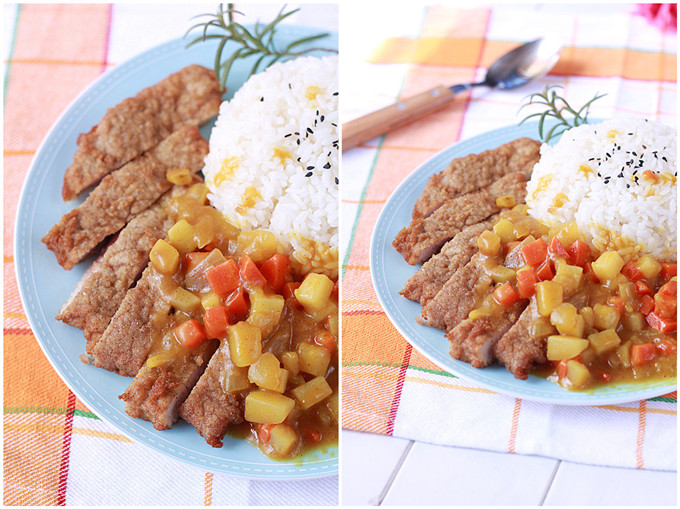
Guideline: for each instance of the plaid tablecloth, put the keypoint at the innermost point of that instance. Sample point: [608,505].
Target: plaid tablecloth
[56,452]
[387,386]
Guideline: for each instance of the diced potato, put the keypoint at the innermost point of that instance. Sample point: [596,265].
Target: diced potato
[649,267]
[164,257]
[605,317]
[265,310]
[567,233]
[634,321]
[548,297]
[312,392]
[267,407]
[565,347]
[181,235]
[541,328]
[319,315]
[628,292]
[313,359]
[184,300]
[505,230]
[506,202]
[291,362]
[210,300]
[521,209]
[333,324]
[234,378]
[332,403]
[488,243]
[204,230]
[198,192]
[283,439]
[521,229]
[245,343]
[260,245]
[623,352]
[578,374]
[266,372]
[179,176]
[501,274]
[567,320]
[314,291]
[608,265]
[568,276]
[604,341]
[588,315]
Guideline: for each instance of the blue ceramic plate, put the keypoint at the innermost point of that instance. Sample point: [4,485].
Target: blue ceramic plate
[390,272]
[45,286]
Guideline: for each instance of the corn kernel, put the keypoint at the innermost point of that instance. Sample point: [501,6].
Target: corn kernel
[179,177]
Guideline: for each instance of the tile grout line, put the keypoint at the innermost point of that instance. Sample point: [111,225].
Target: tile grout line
[550,483]
[393,476]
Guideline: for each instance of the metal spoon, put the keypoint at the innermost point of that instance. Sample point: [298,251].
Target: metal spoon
[524,63]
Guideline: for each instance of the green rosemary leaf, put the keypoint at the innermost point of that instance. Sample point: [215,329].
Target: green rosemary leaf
[249,37]
[226,66]
[257,64]
[303,41]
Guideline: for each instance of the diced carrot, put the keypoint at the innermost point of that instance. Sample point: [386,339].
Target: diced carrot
[194,258]
[190,333]
[276,270]
[603,376]
[588,269]
[666,306]
[650,175]
[249,271]
[313,436]
[237,305]
[326,340]
[215,321]
[662,324]
[335,293]
[670,288]
[223,278]
[546,271]
[526,282]
[667,348]
[646,305]
[506,295]
[562,369]
[289,288]
[579,252]
[643,288]
[642,354]
[632,272]
[557,249]
[668,271]
[617,303]
[535,253]
[264,432]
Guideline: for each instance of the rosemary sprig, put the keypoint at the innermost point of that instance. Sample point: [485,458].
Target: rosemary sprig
[558,108]
[257,41]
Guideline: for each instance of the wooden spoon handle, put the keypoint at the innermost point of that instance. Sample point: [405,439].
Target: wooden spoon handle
[379,122]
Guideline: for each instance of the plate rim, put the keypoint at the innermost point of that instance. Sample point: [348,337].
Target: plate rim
[274,470]
[456,367]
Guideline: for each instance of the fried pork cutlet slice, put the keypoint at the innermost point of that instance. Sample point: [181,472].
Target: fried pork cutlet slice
[452,304]
[190,96]
[473,341]
[209,408]
[472,172]
[122,195]
[429,279]
[425,236]
[127,341]
[105,283]
[156,393]
[517,350]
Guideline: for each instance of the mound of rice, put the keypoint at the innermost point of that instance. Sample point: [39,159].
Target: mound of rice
[616,180]
[273,160]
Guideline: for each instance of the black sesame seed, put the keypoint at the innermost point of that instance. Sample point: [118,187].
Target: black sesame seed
[310,167]
[627,186]
[289,87]
[337,181]
[335,93]
[664,158]
[261,99]
[309,130]
[329,153]
[298,141]
[334,124]
[322,118]
[287,135]
[309,174]
[634,153]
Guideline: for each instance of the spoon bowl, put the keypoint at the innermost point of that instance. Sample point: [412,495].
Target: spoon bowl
[516,68]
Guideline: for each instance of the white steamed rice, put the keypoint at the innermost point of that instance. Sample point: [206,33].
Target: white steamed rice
[595,176]
[273,160]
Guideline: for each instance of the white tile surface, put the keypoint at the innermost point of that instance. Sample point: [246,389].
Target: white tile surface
[576,484]
[368,462]
[438,475]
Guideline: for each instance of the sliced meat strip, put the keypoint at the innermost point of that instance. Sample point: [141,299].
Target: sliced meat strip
[429,279]
[472,172]
[103,286]
[424,237]
[517,350]
[473,341]
[156,393]
[209,408]
[126,342]
[190,96]
[122,195]
[458,296]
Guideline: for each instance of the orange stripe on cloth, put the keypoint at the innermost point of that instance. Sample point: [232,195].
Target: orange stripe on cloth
[207,488]
[396,400]
[642,422]
[66,450]
[46,61]
[513,429]
[575,61]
